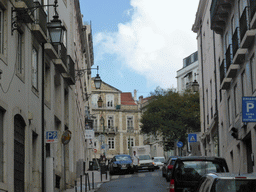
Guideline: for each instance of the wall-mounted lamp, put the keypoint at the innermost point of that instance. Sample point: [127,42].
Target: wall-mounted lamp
[195,86]
[100,102]
[97,79]
[55,28]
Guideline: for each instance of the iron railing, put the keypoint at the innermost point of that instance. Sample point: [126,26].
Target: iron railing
[252,8]
[41,17]
[229,57]
[222,71]
[235,41]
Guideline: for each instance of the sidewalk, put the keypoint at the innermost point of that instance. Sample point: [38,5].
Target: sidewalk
[95,182]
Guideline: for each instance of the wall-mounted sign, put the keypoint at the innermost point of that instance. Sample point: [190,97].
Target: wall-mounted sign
[89,134]
[66,137]
[51,136]
[249,109]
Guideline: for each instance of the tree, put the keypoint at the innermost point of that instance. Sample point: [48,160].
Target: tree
[171,115]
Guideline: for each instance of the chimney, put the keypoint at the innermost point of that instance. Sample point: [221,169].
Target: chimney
[135,95]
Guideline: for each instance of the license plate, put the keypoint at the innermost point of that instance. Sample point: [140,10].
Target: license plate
[123,168]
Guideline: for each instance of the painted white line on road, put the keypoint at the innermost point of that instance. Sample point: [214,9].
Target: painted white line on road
[128,176]
[114,177]
[155,174]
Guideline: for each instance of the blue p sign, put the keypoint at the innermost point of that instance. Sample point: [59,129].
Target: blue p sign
[249,111]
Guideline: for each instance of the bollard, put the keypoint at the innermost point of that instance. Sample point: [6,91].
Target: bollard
[92,180]
[81,183]
[89,181]
[85,189]
[75,186]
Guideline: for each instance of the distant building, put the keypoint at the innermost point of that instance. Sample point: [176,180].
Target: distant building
[189,73]
[116,122]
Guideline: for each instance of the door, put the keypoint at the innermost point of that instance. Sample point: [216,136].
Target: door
[19,153]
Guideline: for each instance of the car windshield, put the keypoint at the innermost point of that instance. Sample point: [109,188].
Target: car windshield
[235,185]
[123,158]
[144,157]
[193,170]
[159,160]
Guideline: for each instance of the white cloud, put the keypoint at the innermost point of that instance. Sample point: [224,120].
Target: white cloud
[156,39]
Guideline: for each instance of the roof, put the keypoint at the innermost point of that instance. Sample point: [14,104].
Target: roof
[127,99]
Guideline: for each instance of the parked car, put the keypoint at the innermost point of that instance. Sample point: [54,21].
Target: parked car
[164,168]
[187,171]
[159,162]
[146,163]
[121,163]
[226,182]
[169,169]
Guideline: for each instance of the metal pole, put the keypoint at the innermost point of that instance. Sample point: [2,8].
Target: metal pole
[85,189]
[42,128]
[93,180]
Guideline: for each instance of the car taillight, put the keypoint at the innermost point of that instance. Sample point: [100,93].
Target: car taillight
[172,185]
[170,166]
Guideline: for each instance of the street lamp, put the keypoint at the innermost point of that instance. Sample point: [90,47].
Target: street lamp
[97,79]
[55,28]
[100,102]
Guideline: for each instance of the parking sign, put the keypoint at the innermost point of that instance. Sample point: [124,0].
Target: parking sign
[249,109]
[51,136]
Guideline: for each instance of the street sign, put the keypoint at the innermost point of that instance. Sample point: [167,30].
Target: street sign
[95,150]
[51,136]
[89,134]
[249,109]
[192,137]
[179,144]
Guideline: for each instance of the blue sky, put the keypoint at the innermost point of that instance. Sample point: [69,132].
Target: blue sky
[140,44]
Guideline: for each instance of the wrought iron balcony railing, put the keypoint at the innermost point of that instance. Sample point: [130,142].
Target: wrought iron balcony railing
[252,8]
[229,57]
[222,70]
[41,17]
[244,22]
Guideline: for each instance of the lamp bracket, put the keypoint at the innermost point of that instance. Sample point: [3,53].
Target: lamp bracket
[80,72]
[25,15]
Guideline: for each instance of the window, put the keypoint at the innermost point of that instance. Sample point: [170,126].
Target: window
[110,100]
[95,124]
[1,31]
[229,111]
[243,84]
[110,121]
[253,73]
[236,93]
[94,100]
[130,142]
[129,122]
[1,144]
[19,54]
[111,143]
[35,68]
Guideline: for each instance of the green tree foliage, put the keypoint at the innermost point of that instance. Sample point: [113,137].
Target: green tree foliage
[171,115]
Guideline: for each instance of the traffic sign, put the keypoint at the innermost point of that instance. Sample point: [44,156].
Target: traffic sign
[249,109]
[192,137]
[51,136]
[179,144]
[95,150]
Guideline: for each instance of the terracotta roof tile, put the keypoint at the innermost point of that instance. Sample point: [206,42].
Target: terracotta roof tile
[127,99]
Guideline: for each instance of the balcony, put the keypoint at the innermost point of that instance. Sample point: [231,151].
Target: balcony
[61,61]
[224,81]
[247,34]
[252,13]
[231,68]
[70,75]
[107,130]
[50,51]
[23,14]
[39,27]
[219,13]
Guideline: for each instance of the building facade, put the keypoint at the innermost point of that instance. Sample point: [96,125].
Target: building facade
[116,122]
[226,46]
[40,92]
[189,73]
